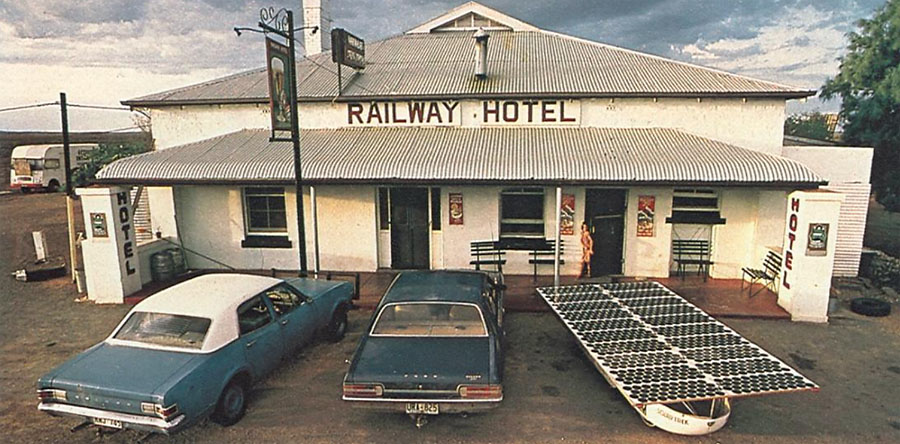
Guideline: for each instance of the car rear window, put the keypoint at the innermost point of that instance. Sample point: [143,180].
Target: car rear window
[429,319]
[164,329]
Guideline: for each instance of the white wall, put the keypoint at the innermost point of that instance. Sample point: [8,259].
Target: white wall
[734,242]
[648,256]
[837,164]
[755,123]
[347,227]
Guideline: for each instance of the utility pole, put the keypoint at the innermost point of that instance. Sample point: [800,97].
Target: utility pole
[295,140]
[70,202]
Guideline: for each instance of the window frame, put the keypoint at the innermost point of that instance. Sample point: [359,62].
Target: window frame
[301,298]
[534,222]
[269,311]
[477,307]
[245,201]
[692,211]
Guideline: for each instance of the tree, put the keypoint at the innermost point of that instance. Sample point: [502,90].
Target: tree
[869,86]
[103,155]
[813,125]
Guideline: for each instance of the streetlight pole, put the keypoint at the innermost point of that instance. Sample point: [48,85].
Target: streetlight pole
[271,21]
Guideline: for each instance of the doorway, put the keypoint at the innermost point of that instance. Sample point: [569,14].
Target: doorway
[604,211]
[409,228]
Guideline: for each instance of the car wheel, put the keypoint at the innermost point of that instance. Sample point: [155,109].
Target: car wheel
[870,307]
[232,404]
[53,187]
[338,325]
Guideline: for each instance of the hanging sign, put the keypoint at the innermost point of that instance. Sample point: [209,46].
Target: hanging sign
[645,216]
[567,215]
[818,240]
[456,209]
[279,70]
[347,49]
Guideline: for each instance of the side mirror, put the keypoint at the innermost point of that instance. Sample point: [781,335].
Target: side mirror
[500,286]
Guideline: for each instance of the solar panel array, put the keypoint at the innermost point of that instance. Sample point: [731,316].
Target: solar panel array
[656,347]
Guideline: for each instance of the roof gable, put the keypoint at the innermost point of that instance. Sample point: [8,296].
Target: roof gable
[471,16]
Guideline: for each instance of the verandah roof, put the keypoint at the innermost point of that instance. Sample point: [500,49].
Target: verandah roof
[464,155]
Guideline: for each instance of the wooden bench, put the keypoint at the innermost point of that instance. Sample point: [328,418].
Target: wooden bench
[544,253]
[692,252]
[487,253]
[768,275]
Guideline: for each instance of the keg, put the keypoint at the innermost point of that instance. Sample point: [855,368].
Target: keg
[178,260]
[162,268]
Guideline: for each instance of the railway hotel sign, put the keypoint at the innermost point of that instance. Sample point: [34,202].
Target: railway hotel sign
[451,112]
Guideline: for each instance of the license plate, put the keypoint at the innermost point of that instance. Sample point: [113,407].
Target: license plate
[111,423]
[422,408]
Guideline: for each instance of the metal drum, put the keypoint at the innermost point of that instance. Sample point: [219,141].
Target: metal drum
[162,268]
[178,260]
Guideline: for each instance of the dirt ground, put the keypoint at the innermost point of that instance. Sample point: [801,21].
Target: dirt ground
[552,392]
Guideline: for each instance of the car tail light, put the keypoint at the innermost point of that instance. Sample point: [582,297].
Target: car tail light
[481,391]
[51,395]
[363,390]
[158,410]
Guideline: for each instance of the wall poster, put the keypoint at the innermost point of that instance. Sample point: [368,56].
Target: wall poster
[567,215]
[645,216]
[98,225]
[456,208]
[818,240]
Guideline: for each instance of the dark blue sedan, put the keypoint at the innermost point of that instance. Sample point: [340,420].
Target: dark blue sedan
[434,346]
[193,350]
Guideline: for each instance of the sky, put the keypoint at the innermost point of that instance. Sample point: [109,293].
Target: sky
[103,51]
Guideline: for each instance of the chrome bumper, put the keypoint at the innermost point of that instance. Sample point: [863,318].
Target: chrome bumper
[129,421]
[444,405]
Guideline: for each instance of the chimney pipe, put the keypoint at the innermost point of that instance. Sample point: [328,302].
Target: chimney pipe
[316,13]
[481,44]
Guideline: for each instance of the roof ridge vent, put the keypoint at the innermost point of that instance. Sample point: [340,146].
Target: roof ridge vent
[481,48]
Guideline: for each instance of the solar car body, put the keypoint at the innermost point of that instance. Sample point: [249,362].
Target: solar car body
[193,350]
[435,345]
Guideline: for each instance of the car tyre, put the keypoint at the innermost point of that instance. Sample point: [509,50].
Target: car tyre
[53,187]
[232,404]
[870,307]
[338,325]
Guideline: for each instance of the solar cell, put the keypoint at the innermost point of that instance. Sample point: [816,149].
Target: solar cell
[656,347]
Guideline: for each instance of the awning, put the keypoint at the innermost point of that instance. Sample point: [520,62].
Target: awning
[464,155]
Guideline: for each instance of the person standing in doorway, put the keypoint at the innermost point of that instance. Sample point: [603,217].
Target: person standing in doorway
[587,250]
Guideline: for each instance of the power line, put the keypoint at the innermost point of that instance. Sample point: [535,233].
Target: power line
[21,107]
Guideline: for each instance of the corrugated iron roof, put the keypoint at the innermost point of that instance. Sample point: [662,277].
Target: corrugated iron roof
[451,154]
[523,64]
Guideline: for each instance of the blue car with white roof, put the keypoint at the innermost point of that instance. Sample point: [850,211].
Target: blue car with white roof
[194,350]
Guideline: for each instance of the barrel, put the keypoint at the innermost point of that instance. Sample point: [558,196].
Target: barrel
[162,268]
[178,260]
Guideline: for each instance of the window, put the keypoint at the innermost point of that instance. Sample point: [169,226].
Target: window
[264,210]
[51,164]
[164,329]
[284,300]
[436,209]
[522,212]
[695,206]
[384,205]
[253,315]
[429,319]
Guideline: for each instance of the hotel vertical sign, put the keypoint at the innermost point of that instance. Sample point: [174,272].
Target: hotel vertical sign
[279,70]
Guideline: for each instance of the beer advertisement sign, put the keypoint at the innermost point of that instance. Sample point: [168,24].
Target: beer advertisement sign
[279,70]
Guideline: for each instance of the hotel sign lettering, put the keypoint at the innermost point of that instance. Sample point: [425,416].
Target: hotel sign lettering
[451,112]
[530,112]
[403,113]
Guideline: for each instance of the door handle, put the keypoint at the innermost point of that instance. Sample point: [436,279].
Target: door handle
[284,322]
[250,344]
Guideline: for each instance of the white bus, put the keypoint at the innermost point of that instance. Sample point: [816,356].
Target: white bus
[35,167]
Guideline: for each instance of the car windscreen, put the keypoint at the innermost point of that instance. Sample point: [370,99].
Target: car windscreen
[163,329]
[429,319]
